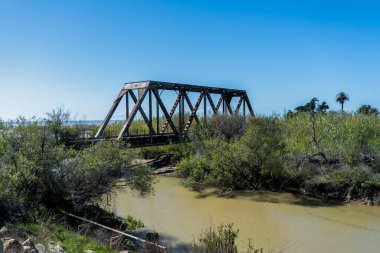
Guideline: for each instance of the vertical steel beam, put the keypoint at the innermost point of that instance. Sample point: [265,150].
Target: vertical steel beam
[126,106]
[157,116]
[127,109]
[181,112]
[224,104]
[150,116]
[244,108]
[204,107]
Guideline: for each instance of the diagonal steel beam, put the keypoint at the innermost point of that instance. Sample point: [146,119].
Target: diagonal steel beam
[193,113]
[109,115]
[141,98]
[238,105]
[191,107]
[211,102]
[228,104]
[219,103]
[176,102]
[249,105]
[136,107]
[168,118]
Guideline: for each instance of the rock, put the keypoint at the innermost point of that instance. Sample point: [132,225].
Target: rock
[29,246]
[29,249]
[8,233]
[40,248]
[13,246]
[164,170]
[89,251]
[56,248]
[4,231]
[152,237]
[29,243]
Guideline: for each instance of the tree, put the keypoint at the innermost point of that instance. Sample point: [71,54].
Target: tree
[56,119]
[308,107]
[312,106]
[323,107]
[301,108]
[368,110]
[37,172]
[341,98]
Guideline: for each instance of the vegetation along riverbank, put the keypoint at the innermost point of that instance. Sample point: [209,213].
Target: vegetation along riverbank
[330,155]
[42,178]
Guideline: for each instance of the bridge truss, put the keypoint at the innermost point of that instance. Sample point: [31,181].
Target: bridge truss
[140,97]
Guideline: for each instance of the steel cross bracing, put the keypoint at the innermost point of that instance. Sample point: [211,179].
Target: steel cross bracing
[170,132]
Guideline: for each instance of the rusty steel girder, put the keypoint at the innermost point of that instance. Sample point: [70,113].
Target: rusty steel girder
[149,89]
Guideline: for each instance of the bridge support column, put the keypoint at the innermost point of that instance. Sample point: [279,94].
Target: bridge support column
[204,108]
[150,117]
[127,109]
[157,116]
[224,104]
[244,109]
[181,115]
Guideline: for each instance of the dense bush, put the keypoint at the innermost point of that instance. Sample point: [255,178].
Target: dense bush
[238,164]
[306,150]
[37,171]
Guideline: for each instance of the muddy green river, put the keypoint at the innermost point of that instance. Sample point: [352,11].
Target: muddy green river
[278,222]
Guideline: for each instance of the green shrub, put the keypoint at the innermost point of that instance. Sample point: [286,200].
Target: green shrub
[275,153]
[38,172]
[220,240]
[133,223]
[350,175]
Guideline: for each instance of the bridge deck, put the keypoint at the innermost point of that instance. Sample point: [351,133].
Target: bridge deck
[132,141]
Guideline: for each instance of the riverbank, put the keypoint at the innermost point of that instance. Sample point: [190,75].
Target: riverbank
[61,232]
[47,237]
[162,165]
[333,156]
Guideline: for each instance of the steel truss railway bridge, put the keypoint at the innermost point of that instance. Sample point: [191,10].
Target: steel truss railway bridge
[150,100]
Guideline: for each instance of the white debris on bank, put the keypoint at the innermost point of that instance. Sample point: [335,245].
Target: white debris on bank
[14,240]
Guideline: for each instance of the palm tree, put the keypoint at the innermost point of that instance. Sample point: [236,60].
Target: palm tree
[341,98]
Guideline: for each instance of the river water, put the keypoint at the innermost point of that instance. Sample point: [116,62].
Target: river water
[279,222]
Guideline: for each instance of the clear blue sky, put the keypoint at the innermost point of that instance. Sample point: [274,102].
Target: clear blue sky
[79,53]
